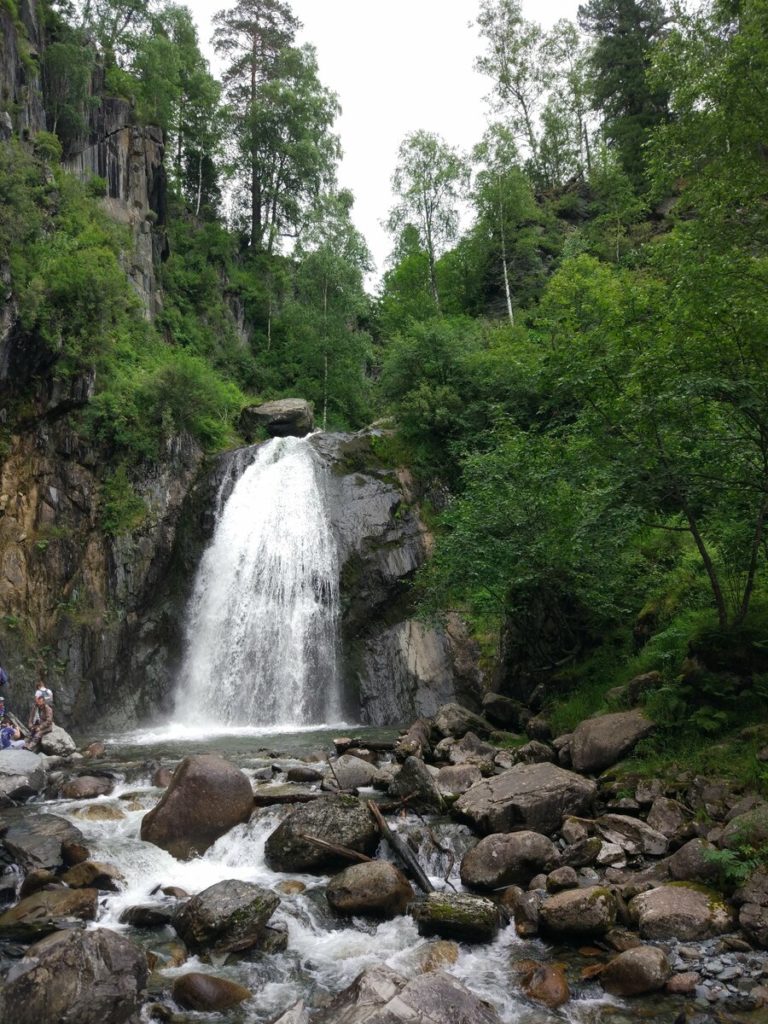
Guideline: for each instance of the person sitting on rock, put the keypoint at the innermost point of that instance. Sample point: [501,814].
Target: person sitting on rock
[10,735]
[40,722]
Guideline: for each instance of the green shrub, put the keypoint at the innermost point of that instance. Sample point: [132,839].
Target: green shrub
[48,147]
[122,509]
[96,186]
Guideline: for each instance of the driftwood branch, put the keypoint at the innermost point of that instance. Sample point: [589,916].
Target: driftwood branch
[401,848]
[340,851]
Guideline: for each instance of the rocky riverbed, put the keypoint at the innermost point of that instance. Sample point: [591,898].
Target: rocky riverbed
[237,881]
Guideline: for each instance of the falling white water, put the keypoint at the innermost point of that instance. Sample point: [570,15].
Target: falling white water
[261,630]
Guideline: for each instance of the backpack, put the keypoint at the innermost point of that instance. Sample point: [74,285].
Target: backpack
[3,677]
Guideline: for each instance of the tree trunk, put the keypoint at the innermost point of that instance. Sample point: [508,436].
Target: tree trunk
[510,311]
[753,560]
[714,580]
[199,182]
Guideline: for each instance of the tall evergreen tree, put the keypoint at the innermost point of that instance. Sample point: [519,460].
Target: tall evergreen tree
[625,32]
[251,37]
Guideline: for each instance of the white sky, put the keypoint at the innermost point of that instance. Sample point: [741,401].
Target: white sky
[397,66]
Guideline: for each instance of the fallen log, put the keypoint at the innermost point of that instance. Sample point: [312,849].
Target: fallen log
[402,850]
[344,743]
[340,851]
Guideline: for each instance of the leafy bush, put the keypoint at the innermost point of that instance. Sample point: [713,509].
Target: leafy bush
[121,508]
[48,147]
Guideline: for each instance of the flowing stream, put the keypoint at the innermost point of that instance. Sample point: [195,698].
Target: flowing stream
[262,624]
[261,668]
[325,953]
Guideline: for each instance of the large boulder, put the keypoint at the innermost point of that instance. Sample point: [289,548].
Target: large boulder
[753,920]
[748,829]
[470,749]
[632,835]
[456,916]
[537,796]
[597,743]
[506,859]
[207,993]
[285,417]
[455,720]
[58,743]
[44,912]
[22,775]
[87,787]
[636,971]
[667,816]
[455,779]
[43,841]
[226,917]
[381,996]
[503,711]
[415,784]
[91,874]
[87,977]
[350,772]
[206,798]
[579,912]
[696,861]
[681,912]
[375,889]
[342,820]
[544,982]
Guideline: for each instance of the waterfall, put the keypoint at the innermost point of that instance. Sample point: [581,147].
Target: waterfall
[261,630]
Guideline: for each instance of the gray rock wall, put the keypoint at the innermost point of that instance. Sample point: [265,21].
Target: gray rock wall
[21,101]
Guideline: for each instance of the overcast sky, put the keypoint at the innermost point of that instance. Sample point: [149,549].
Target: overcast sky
[397,66]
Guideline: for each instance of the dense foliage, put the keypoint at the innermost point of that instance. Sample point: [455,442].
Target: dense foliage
[579,377]
[601,420]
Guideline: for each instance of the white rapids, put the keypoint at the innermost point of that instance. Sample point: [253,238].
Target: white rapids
[325,953]
[261,631]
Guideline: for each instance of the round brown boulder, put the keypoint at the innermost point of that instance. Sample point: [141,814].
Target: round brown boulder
[86,787]
[545,983]
[637,971]
[506,859]
[206,797]
[207,993]
[376,889]
[96,875]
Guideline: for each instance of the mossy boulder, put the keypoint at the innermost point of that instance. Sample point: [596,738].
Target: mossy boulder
[227,917]
[342,820]
[456,916]
[681,911]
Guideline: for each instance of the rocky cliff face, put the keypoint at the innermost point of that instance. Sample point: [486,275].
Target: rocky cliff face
[130,160]
[394,665]
[21,98]
[72,600]
[127,156]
